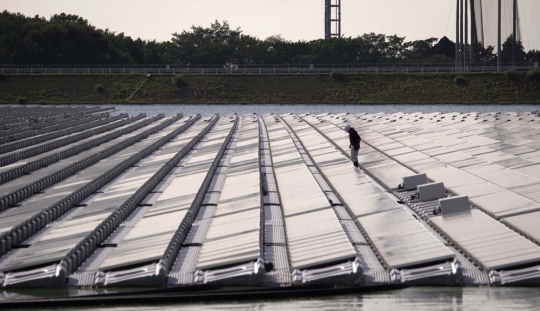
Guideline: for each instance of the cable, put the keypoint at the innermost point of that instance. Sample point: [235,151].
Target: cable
[531,22]
[449,16]
[525,8]
[488,15]
[506,23]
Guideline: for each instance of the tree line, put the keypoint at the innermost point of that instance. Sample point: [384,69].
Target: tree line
[71,39]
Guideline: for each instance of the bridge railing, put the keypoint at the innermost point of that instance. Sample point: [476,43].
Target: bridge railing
[248,70]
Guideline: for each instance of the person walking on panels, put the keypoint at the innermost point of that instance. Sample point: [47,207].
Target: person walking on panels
[354,140]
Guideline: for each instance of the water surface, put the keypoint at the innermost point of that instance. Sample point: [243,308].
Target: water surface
[317,109]
[413,299]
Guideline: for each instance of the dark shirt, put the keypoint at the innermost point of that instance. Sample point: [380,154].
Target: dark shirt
[354,138]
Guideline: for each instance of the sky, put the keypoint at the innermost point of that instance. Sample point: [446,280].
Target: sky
[292,19]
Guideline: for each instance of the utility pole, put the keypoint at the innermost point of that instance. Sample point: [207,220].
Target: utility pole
[457,58]
[461,58]
[514,32]
[499,21]
[474,34]
[482,22]
[466,49]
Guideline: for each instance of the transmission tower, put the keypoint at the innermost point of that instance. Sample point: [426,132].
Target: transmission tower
[332,18]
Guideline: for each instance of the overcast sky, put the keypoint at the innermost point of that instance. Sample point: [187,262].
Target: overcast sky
[293,19]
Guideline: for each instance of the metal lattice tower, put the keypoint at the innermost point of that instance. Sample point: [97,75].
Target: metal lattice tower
[332,18]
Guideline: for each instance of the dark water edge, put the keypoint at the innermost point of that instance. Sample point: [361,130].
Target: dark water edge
[414,299]
[318,109]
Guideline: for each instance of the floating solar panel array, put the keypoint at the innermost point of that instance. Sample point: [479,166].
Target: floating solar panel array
[314,234]
[92,198]
[233,236]
[489,158]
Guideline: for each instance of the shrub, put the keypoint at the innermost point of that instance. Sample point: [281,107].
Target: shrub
[3,77]
[21,100]
[179,81]
[461,81]
[99,88]
[338,76]
[511,75]
[534,75]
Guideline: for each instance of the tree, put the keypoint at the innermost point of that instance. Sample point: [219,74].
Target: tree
[445,47]
[68,18]
[508,50]
[71,39]
[533,56]
[439,59]
[215,45]
[419,49]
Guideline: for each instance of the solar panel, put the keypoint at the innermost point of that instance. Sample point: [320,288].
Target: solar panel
[526,224]
[69,232]
[314,233]
[234,233]
[395,233]
[487,240]
[163,218]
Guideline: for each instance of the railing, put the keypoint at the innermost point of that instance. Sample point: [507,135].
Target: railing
[281,70]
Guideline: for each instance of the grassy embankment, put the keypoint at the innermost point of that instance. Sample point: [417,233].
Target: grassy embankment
[319,89]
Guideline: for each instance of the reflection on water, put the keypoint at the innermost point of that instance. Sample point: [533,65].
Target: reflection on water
[31,293]
[317,109]
[415,299]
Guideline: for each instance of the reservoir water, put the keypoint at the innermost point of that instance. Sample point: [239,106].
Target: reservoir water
[317,109]
[410,299]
